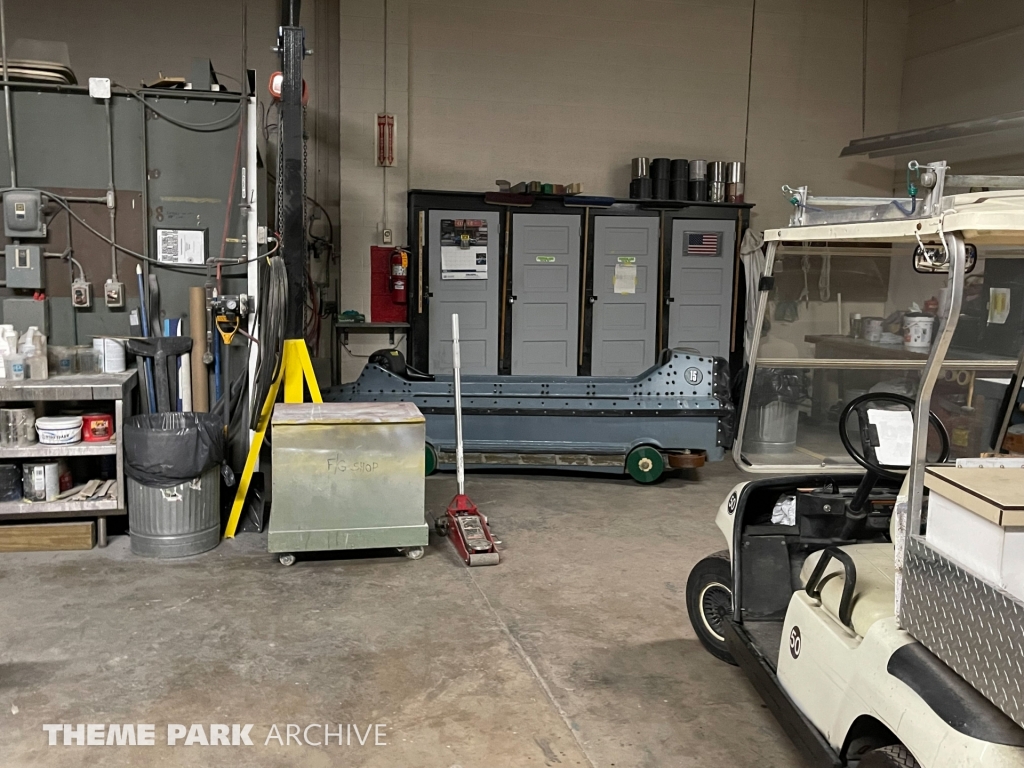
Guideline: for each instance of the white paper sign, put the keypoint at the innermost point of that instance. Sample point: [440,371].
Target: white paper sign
[181,246]
[998,305]
[624,281]
[895,436]
[463,263]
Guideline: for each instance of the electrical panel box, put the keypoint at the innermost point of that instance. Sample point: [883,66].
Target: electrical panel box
[25,267]
[23,214]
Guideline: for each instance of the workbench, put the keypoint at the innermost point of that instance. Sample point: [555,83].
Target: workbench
[99,387]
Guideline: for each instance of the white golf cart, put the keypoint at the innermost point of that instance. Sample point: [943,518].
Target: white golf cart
[872,647]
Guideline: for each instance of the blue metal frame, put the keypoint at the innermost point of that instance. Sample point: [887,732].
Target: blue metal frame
[680,404]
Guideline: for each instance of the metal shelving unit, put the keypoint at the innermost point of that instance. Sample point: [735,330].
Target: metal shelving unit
[111,387]
[40,451]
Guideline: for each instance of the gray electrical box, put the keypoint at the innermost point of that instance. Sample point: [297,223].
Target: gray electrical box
[23,313]
[25,267]
[23,213]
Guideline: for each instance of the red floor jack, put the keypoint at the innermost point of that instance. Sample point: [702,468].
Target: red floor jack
[463,522]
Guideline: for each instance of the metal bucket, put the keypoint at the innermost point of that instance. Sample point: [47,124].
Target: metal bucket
[776,424]
[178,521]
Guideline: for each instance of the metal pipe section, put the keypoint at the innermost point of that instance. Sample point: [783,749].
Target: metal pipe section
[843,202]
[460,469]
[908,519]
[7,94]
[111,195]
[252,246]
[80,199]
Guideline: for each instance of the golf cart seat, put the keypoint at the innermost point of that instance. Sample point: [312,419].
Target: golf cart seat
[875,588]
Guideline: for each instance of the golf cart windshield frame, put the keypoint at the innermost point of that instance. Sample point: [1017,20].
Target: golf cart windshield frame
[993,218]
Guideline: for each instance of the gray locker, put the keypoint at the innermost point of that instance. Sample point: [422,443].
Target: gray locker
[463,279]
[625,295]
[700,308]
[546,287]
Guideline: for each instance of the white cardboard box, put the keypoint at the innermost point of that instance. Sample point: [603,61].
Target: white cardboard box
[976,518]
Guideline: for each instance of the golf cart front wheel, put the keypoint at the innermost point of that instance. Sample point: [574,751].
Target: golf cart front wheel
[645,464]
[896,756]
[709,600]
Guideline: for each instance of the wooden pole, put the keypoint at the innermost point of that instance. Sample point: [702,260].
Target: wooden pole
[197,330]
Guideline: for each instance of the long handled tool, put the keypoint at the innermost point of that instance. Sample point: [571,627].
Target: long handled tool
[145,334]
[464,524]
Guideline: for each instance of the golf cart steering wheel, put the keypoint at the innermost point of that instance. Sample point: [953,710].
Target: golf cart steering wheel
[857,510]
[866,455]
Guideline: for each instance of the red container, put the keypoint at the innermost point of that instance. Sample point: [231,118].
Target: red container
[97,427]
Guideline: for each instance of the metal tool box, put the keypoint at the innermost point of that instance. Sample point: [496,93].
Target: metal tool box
[347,476]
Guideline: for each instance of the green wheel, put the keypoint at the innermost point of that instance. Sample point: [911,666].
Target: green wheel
[430,466]
[645,464]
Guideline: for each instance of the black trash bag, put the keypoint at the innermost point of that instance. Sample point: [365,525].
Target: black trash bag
[778,384]
[165,449]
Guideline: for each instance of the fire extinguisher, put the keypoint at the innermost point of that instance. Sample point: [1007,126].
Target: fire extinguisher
[399,269]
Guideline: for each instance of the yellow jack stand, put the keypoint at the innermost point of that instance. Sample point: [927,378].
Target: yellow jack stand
[296,369]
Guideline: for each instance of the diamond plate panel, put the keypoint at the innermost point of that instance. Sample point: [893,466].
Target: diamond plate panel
[973,627]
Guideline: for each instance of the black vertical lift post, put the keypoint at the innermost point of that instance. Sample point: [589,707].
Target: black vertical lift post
[292,48]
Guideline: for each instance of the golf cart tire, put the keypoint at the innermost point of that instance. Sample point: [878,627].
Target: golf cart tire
[895,756]
[705,588]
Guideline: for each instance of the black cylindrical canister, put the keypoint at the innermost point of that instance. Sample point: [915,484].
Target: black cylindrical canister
[660,167]
[678,189]
[679,169]
[698,180]
[661,189]
[640,189]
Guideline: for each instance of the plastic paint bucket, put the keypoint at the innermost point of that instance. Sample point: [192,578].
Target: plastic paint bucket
[97,427]
[917,331]
[59,430]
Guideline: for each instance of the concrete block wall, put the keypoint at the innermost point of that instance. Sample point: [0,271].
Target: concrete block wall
[570,90]
[374,54]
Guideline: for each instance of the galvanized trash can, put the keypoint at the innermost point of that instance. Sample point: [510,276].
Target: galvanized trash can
[173,465]
[178,521]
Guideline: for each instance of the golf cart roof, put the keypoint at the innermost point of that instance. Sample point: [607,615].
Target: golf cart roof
[995,217]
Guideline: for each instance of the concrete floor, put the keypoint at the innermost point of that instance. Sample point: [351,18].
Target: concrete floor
[575,651]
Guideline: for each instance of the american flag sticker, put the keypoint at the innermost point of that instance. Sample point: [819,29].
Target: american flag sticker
[702,243]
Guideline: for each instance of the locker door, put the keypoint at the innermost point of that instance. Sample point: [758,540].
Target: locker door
[546,284]
[625,295]
[700,309]
[463,279]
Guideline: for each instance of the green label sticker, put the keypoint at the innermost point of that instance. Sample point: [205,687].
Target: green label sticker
[626,259]
[546,259]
